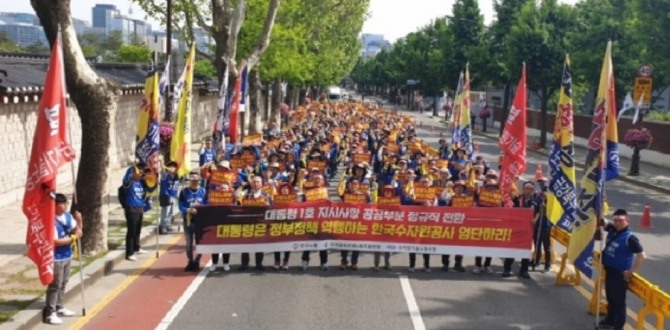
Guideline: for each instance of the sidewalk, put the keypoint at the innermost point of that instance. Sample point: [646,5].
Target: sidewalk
[22,294]
[20,287]
[654,166]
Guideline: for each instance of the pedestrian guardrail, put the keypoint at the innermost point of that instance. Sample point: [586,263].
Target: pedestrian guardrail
[656,301]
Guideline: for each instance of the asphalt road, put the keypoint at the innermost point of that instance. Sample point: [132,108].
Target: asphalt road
[364,299]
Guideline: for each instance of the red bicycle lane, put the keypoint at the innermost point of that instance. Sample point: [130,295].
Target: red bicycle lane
[144,303]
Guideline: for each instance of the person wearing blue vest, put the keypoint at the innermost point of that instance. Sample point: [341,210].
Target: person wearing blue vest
[190,197]
[169,191]
[136,187]
[68,229]
[623,255]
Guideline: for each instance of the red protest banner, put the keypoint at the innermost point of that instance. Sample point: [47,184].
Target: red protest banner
[50,150]
[497,232]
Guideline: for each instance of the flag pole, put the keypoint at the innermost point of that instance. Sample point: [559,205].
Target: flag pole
[154,66]
[74,193]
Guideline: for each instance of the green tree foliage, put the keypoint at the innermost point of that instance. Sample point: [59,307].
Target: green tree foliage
[37,48]
[204,68]
[651,24]
[539,38]
[133,54]
[467,26]
[596,22]
[8,45]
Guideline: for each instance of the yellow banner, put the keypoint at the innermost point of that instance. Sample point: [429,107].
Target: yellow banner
[180,147]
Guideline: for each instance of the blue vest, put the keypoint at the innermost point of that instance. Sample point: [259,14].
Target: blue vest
[169,186]
[135,194]
[617,255]
[63,230]
[207,156]
[191,198]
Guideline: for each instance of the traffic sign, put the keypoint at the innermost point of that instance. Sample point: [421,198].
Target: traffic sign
[643,86]
[645,70]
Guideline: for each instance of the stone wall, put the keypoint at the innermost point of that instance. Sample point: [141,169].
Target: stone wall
[17,127]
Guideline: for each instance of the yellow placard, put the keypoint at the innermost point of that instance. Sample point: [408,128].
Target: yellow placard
[355,198]
[285,199]
[442,163]
[252,139]
[490,198]
[361,157]
[392,148]
[223,176]
[221,197]
[463,201]
[254,201]
[388,200]
[423,194]
[316,194]
[238,163]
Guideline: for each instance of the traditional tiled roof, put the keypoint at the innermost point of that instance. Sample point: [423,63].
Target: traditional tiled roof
[25,75]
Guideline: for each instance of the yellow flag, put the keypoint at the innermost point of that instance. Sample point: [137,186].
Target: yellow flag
[180,148]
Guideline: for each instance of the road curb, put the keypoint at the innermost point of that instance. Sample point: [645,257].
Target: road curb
[31,316]
[580,165]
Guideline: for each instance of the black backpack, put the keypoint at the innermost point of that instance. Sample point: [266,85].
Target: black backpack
[121,194]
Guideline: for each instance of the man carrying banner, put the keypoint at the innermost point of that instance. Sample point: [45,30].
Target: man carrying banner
[68,230]
[542,231]
[622,257]
[424,183]
[254,195]
[490,196]
[189,198]
[459,198]
[353,195]
[318,183]
[526,199]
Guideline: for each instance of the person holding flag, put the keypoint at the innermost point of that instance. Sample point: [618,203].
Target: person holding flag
[68,230]
[49,231]
[598,168]
[49,142]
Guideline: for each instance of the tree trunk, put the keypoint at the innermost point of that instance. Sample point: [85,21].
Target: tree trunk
[635,163]
[507,91]
[484,120]
[95,99]
[435,105]
[302,93]
[256,106]
[277,98]
[544,98]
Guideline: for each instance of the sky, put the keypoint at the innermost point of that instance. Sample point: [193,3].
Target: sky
[81,9]
[392,18]
[397,18]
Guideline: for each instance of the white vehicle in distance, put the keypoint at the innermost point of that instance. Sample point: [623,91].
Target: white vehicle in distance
[334,94]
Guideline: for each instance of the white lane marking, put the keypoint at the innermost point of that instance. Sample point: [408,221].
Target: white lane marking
[179,305]
[414,312]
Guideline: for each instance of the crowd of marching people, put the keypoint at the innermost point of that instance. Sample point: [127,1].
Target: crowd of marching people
[382,159]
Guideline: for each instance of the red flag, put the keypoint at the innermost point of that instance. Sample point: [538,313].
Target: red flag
[235,109]
[513,141]
[51,149]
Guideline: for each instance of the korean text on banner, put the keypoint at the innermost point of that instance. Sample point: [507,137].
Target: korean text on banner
[562,191]
[51,149]
[323,225]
